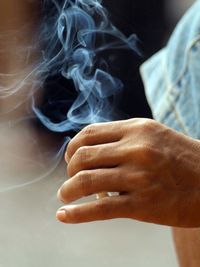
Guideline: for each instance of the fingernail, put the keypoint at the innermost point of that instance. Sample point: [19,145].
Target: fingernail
[61,215]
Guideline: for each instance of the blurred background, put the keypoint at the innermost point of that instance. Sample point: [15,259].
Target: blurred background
[153,22]
[29,234]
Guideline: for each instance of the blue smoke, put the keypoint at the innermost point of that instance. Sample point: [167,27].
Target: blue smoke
[70,40]
[74,33]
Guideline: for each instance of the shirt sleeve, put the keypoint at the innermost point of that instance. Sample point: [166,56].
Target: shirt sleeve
[171,77]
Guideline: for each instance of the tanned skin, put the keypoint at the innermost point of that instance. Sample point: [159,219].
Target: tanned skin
[155,169]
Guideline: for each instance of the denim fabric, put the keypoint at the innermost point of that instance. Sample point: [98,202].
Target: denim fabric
[172,77]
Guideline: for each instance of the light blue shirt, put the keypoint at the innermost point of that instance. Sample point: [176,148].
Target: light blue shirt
[172,77]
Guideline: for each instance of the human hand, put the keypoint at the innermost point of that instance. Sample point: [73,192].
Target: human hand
[154,168]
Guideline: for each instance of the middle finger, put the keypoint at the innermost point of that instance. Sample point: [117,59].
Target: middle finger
[95,157]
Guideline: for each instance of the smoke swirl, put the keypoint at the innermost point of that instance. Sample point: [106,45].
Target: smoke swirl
[74,34]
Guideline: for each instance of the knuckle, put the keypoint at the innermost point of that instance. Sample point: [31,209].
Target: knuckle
[148,152]
[128,181]
[148,178]
[119,126]
[74,215]
[141,181]
[141,125]
[151,195]
[102,208]
[79,161]
[82,153]
[133,120]
[148,124]
[127,204]
[143,151]
[88,131]
[117,174]
[153,155]
[85,182]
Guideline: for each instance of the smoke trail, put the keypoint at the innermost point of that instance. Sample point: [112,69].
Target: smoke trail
[71,38]
[55,161]
[74,33]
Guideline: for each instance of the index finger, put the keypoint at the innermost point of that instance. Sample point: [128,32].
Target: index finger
[95,134]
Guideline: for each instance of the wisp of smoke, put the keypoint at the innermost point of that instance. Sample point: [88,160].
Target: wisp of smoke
[75,32]
[72,36]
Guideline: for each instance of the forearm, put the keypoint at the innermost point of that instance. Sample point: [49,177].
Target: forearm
[187,243]
[186,173]
[186,162]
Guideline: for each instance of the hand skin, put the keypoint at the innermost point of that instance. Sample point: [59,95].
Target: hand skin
[155,169]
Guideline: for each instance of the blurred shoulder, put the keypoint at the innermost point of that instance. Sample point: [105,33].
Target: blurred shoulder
[171,77]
